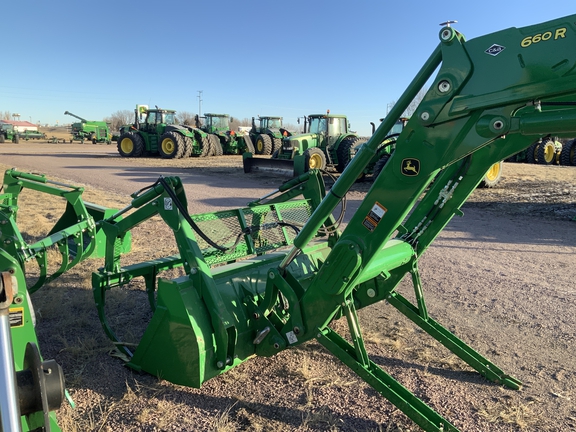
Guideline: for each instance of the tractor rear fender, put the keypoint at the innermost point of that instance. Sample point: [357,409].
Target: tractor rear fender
[180,129]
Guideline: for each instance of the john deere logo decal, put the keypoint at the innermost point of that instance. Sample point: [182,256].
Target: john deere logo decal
[410,167]
[495,49]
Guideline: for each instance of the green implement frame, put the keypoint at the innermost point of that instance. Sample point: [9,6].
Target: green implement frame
[28,402]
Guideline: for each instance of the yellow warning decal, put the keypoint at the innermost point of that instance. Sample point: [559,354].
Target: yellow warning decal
[16,317]
[374,217]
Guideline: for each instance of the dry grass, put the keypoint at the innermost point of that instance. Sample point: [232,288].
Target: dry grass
[510,411]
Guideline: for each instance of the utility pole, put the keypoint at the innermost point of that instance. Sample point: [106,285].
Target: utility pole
[199,103]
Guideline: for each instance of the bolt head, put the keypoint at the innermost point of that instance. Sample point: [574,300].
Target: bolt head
[444,86]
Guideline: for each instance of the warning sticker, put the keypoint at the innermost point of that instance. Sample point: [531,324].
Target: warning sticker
[17,317]
[167,203]
[373,218]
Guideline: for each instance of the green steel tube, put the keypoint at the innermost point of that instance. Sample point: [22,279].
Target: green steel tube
[359,162]
[557,121]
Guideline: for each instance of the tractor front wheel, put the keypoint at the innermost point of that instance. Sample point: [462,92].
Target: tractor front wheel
[130,145]
[315,159]
[532,153]
[379,166]
[546,153]
[206,144]
[215,145]
[277,144]
[171,146]
[346,151]
[263,145]
[188,144]
[492,177]
[568,154]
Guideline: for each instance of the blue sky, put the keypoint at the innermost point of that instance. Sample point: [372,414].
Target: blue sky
[287,58]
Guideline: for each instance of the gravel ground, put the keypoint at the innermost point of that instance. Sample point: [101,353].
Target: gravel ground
[501,278]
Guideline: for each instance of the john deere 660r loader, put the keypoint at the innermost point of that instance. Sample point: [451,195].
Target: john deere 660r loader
[273,275]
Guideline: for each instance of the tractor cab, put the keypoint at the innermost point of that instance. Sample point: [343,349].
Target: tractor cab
[270,123]
[156,120]
[330,128]
[216,123]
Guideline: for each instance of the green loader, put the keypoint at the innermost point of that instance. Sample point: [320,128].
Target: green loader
[326,143]
[276,274]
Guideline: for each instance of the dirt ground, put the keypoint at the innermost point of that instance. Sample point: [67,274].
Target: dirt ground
[501,278]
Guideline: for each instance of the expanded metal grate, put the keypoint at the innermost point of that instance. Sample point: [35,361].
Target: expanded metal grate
[257,229]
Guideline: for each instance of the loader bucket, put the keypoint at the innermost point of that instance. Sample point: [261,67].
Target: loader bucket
[205,322]
[291,167]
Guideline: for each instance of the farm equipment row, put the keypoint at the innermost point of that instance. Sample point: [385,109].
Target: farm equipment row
[155,132]
[8,133]
[275,274]
[548,151]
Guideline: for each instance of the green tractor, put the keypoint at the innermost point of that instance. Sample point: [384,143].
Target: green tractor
[222,139]
[155,132]
[89,130]
[7,133]
[326,142]
[267,136]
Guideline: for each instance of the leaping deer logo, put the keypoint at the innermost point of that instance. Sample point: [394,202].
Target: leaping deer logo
[410,167]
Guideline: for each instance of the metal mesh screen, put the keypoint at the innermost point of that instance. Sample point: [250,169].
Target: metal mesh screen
[253,230]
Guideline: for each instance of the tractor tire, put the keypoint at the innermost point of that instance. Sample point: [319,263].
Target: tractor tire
[492,177]
[379,166]
[568,154]
[263,145]
[16,139]
[532,153]
[187,146]
[314,159]
[346,151]
[216,146]
[171,146]
[2,139]
[276,144]
[546,153]
[130,145]
[206,146]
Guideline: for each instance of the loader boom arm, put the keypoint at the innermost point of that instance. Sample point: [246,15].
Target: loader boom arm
[481,109]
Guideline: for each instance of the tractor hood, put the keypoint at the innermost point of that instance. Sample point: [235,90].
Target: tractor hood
[302,142]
